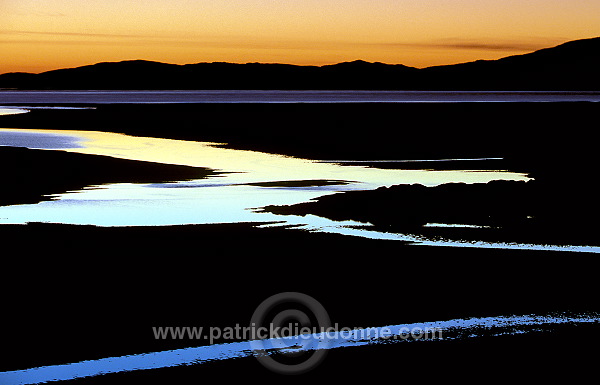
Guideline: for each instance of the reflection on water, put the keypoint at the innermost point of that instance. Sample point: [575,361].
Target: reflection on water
[245,166]
[449,330]
[12,111]
[252,180]
[39,140]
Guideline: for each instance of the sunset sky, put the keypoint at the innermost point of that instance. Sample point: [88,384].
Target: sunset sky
[40,35]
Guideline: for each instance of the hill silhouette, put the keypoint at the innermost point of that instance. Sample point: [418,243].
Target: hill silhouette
[569,66]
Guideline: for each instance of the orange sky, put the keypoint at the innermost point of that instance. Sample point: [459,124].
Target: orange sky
[39,35]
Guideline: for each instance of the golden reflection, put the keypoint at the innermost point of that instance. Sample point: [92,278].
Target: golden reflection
[253,167]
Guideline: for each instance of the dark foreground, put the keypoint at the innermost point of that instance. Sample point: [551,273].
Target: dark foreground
[78,292]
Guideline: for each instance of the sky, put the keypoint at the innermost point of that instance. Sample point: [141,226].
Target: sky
[41,35]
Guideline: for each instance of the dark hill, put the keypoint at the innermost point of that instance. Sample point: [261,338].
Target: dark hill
[569,66]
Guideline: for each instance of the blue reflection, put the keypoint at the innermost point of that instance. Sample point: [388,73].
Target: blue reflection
[36,140]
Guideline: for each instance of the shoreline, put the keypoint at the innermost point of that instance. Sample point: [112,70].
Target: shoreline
[35,174]
[536,163]
[531,212]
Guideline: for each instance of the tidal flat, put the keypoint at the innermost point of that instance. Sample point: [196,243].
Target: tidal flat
[132,278]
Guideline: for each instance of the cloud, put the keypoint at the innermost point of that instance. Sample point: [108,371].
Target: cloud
[221,42]
[527,45]
[79,34]
[244,42]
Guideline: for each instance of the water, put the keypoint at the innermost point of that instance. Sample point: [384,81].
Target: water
[12,111]
[227,198]
[233,197]
[456,329]
[257,96]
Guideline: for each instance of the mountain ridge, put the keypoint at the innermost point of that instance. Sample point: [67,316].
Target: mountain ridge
[568,66]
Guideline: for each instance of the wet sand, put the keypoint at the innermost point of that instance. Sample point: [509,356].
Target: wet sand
[32,175]
[82,292]
[538,212]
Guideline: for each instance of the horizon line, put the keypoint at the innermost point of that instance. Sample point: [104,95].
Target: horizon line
[294,65]
[301,65]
